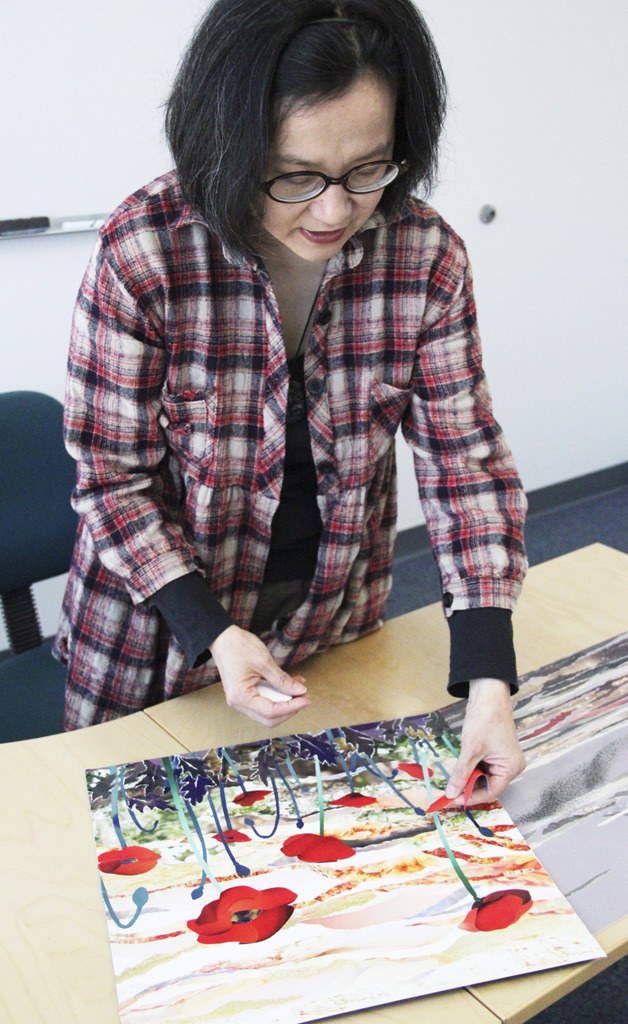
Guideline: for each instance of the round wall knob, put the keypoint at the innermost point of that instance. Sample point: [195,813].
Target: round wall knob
[488,213]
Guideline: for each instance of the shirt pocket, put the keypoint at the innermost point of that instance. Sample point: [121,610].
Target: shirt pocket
[190,422]
[387,406]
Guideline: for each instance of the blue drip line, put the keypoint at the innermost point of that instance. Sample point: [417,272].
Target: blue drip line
[251,823]
[385,778]
[241,869]
[482,829]
[131,812]
[415,752]
[292,796]
[196,893]
[223,801]
[140,899]
[428,744]
[350,778]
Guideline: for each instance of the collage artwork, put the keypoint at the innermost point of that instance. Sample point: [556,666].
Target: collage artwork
[298,878]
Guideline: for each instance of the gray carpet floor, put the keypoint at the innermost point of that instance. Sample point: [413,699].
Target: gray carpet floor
[603,519]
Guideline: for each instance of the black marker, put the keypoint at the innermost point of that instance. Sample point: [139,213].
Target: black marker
[23,226]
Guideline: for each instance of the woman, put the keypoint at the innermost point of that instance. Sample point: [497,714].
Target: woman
[252,329]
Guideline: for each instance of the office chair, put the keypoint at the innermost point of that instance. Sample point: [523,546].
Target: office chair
[37,528]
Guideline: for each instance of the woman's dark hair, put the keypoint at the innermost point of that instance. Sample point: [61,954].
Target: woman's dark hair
[251,62]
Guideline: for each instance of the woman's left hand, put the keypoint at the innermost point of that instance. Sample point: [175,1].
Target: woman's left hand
[489,737]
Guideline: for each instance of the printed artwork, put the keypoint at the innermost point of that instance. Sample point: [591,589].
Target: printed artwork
[572,802]
[299,878]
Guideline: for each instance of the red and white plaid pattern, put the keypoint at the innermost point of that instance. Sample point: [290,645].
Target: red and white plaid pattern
[175,408]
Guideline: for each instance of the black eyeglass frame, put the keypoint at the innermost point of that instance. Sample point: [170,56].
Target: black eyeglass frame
[401,165]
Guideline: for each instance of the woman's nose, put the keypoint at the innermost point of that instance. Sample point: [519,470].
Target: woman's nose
[332,207]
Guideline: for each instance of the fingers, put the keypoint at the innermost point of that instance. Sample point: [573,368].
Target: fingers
[244,663]
[498,771]
[270,713]
[293,686]
[490,789]
[247,699]
[489,741]
[460,774]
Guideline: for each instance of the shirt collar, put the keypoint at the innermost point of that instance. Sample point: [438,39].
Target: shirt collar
[350,255]
[353,250]
[189,216]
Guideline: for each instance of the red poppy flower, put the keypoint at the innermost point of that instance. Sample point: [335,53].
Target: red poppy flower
[415,770]
[243,914]
[444,801]
[231,835]
[353,800]
[497,910]
[250,797]
[127,860]
[314,849]
[438,805]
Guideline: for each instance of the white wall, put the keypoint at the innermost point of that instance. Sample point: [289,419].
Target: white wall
[537,128]
[538,104]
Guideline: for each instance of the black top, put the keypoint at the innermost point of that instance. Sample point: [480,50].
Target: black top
[297,525]
[481,638]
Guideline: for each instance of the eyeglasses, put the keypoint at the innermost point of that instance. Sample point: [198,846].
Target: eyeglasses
[299,186]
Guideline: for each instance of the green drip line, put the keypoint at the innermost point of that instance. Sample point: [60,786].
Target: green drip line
[454,863]
[439,828]
[174,789]
[115,807]
[321,802]
[294,775]
[449,745]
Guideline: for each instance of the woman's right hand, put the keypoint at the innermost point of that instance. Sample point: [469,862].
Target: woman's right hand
[243,660]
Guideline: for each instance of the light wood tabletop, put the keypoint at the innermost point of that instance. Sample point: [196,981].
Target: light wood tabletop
[55,965]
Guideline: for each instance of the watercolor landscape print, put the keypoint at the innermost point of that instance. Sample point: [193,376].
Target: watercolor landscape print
[298,878]
[572,802]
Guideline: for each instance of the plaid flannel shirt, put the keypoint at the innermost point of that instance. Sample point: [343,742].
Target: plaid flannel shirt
[175,413]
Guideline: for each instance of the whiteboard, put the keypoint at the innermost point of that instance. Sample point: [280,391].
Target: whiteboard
[83,84]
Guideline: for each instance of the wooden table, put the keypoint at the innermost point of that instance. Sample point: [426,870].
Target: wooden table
[55,966]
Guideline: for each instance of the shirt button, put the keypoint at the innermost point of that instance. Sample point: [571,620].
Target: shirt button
[448,599]
[316,386]
[325,316]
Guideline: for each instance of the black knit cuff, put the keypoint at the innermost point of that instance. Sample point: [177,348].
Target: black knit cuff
[481,646]
[193,614]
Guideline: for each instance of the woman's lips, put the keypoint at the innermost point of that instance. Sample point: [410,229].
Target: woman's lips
[323,237]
